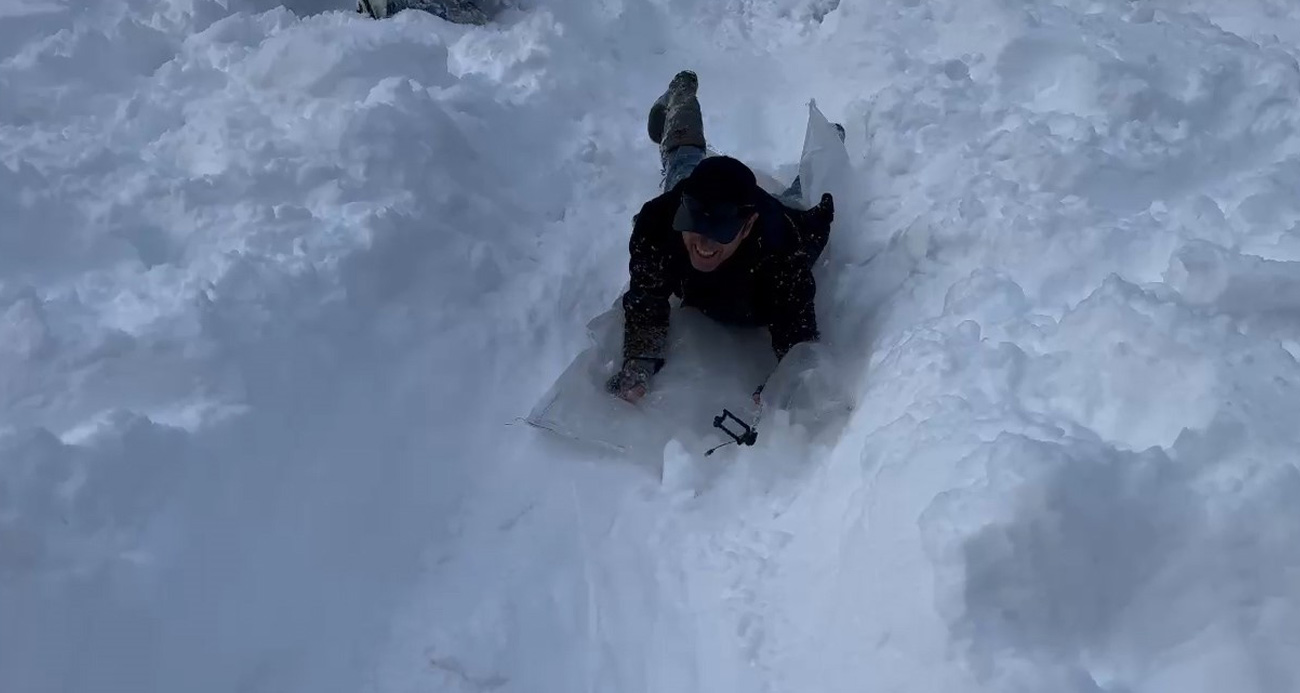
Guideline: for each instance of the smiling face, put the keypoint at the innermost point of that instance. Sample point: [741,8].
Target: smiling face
[707,254]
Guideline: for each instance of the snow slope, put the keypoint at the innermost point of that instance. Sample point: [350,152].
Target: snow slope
[275,284]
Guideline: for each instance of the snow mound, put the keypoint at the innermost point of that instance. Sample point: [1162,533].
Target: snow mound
[276,283]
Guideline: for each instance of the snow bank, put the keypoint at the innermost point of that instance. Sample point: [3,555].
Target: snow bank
[268,301]
[1075,400]
[275,283]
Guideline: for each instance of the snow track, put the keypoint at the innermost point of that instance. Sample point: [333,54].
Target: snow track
[276,283]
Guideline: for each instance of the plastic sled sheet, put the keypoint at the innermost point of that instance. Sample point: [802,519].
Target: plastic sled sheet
[824,165]
[711,367]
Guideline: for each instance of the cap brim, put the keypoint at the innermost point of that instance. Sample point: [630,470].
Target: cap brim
[721,230]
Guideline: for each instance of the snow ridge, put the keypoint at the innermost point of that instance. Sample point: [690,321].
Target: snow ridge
[276,283]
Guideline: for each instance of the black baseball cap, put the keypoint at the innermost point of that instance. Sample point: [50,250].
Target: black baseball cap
[717,198]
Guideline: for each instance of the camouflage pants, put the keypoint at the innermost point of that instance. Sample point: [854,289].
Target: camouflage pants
[456,11]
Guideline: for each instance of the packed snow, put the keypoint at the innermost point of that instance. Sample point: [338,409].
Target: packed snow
[278,282]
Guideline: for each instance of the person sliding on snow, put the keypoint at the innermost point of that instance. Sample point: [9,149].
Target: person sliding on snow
[716,239]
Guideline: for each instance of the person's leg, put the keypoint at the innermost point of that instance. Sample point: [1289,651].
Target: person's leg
[678,164]
[456,11]
[677,126]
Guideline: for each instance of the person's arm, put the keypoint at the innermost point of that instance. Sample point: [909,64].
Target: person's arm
[645,304]
[645,313]
[792,291]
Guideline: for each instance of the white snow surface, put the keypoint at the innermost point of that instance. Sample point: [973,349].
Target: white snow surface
[276,284]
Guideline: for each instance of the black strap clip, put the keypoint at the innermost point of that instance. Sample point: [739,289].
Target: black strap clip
[746,436]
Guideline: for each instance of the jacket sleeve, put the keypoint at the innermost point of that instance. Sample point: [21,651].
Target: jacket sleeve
[645,304]
[792,295]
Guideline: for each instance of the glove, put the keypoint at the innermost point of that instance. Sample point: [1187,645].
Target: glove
[630,382]
[824,212]
[817,219]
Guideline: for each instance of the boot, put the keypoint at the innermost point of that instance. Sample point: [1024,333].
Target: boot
[675,119]
[377,9]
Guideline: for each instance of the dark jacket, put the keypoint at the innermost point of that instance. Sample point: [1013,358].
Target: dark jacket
[768,282]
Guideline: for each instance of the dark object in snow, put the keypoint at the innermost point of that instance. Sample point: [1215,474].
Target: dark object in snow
[747,436]
[456,11]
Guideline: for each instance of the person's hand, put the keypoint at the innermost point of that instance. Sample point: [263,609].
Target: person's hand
[818,218]
[631,381]
[632,394]
[758,396]
[825,210]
